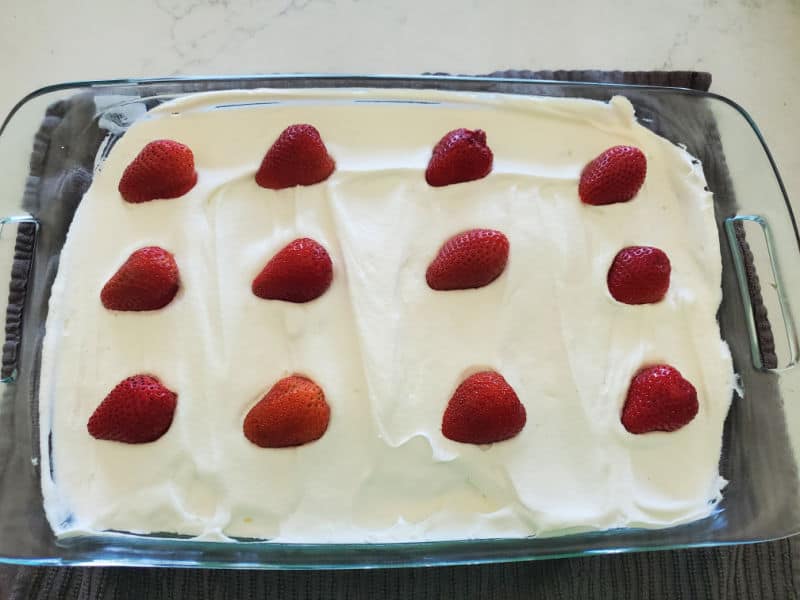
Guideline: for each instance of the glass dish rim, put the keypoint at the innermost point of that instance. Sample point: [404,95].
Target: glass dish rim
[403,562]
[449,548]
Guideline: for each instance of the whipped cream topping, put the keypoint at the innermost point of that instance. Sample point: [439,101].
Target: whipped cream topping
[387,350]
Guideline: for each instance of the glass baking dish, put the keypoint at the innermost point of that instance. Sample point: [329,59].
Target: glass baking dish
[758,238]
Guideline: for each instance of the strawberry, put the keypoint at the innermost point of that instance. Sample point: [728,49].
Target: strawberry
[148,280]
[471,259]
[639,275]
[298,157]
[300,272]
[614,176]
[294,412]
[484,409]
[137,411]
[163,169]
[461,155]
[659,399]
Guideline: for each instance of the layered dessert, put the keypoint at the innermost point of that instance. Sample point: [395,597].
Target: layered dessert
[362,315]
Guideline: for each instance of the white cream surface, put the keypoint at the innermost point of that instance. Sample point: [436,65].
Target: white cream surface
[387,350]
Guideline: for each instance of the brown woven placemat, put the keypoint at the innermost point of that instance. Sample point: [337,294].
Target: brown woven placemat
[758,571]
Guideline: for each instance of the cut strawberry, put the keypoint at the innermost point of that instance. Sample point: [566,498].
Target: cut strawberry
[300,272]
[659,399]
[163,169]
[484,409]
[614,176]
[148,280]
[639,275]
[137,411]
[461,155]
[471,259]
[294,412]
[298,157]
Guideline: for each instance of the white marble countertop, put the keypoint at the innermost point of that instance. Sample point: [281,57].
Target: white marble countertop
[752,47]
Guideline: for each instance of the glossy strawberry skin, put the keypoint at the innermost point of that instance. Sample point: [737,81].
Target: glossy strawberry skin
[471,259]
[294,412]
[297,157]
[137,411]
[484,409]
[148,280]
[614,176]
[461,155]
[639,275]
[302,271]
[163,169]
[659,399]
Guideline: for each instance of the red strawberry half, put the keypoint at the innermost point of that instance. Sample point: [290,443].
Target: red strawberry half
[484,409]
[614,176]
[137,411]
[163,169]
[294,412]
[461,155]
[148,280]
[471,259]
[298,157]
[659,399]
[639,275]
[300,272]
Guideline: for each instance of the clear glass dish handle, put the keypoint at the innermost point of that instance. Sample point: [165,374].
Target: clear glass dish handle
[8,254]
[763,285]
